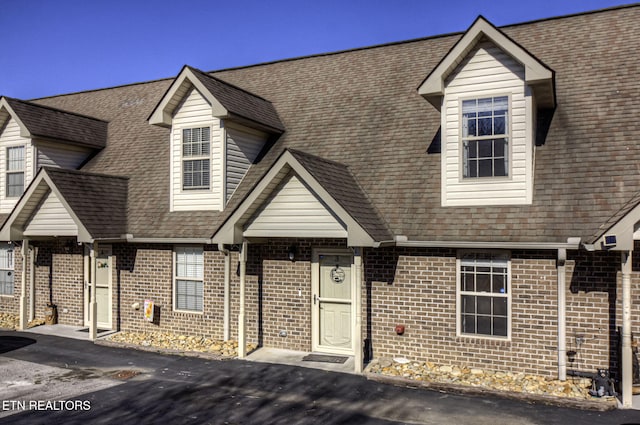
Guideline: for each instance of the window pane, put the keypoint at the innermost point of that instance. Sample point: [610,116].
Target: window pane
[15,184]
[468,304]
[500,326]
[468,324]
[485,127]
[484,325]
[485,168]
[484,305]
[500,306]
[468,282]
[499,125]
[498,284]
[15,158]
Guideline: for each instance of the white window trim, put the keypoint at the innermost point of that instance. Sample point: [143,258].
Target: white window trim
[476,180]
[12,270]
[7,171]
[174,294]
[509,296]
[183,158]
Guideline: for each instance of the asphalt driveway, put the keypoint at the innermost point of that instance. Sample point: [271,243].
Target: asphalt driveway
[45,379]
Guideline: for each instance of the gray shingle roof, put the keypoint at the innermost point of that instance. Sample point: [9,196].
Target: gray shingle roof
[99,201]
[240,102]
[60,125]
[361,108]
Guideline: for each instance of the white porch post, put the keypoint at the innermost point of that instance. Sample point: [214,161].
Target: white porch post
[227,296]
[562,320]
[242,340]
[358,355]
[627,365]
[23,286]
[93,305]
[32,282]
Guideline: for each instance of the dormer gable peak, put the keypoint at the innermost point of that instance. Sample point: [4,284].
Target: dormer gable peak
[227,101]
[536,74]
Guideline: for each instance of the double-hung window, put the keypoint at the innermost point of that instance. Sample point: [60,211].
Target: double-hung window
[15,171]
[6,270]
[483,294]
[485,137]
[196,161]
[189,279]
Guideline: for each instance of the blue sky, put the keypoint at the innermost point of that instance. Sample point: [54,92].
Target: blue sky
[60,46]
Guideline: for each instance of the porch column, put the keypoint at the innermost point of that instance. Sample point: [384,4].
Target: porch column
[242,340]
[358,355]
[23,287]
[627,366]
[562,319]
[32,282]
[93,305]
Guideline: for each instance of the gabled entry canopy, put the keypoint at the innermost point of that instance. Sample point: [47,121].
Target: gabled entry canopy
[620,231]
[305,196]
[536,74]
[69,203]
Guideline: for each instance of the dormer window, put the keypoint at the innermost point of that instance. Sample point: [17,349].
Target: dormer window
[15,171]
[485,137]
[196,162]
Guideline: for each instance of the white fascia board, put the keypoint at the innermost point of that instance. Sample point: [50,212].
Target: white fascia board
[164,117]
[572,243]
[24,131]
[231,231]
[433,86]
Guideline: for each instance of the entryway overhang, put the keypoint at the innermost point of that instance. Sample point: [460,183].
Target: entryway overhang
[65,203]
[305,196]
[619,233]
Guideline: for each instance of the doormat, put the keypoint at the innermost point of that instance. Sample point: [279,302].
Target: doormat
[324,358]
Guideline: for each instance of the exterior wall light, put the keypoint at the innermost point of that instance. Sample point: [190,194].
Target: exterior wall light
[293,251]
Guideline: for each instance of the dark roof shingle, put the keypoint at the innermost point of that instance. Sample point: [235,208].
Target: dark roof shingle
[56,124]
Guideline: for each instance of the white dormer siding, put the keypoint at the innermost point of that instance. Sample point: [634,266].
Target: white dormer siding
[228,161]
[243,147]
[10,137]
[195,112]
[488,72]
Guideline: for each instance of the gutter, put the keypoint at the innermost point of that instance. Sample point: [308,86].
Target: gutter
[572,243]
[200,241]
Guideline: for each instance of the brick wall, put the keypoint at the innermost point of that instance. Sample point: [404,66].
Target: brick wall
[412,287]
[417,288]
[144,272]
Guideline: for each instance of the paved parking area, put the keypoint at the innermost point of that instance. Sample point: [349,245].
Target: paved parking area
[129,386]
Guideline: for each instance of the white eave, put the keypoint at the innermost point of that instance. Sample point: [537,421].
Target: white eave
[162,115]
[537,75]
[7,111]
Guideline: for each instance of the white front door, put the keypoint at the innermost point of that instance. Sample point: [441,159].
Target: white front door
[103,289]
[333,306]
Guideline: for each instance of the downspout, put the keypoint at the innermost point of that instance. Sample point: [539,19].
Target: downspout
[627,366]
[23,286]
[562,315]
[33,252]
[227,287]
